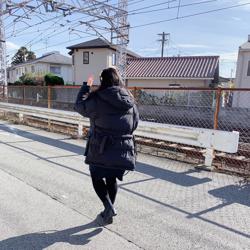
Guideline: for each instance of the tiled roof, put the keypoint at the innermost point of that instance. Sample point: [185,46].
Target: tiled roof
[51,57]
[98,43]
[173,67]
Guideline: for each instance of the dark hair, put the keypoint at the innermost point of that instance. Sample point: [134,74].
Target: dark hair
[110,77]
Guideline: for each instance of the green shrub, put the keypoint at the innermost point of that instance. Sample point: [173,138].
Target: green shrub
[53,80]
[27,79]
[18,82]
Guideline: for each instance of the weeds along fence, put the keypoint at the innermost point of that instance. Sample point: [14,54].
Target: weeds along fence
[220,108]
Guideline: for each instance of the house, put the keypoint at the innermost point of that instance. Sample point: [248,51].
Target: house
[242,75]
[52,62]
[226,82]
[91,57]
[188,71]
[243,66]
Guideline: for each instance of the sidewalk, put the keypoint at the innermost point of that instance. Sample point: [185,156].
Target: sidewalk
[45,187]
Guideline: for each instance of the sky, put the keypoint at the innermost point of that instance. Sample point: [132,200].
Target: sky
[197,27]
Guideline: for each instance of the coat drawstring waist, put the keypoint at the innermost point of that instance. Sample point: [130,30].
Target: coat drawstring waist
[107,138]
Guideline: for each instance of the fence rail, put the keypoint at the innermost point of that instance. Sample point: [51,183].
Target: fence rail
[220,109]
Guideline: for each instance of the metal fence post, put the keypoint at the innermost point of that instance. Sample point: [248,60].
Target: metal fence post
[23,94]
[49,105]
[49,97]
[217,108]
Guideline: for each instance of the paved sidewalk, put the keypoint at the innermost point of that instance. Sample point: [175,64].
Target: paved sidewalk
[47,201]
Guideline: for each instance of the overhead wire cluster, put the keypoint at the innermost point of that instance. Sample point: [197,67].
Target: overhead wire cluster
[80,19]
[63,23]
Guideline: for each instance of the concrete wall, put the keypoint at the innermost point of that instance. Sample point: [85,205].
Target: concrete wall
[98,60]
[159,83]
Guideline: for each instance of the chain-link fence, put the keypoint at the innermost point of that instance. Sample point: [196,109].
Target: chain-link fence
[220,109]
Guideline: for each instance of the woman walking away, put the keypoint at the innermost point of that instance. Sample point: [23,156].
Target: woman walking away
[110,149]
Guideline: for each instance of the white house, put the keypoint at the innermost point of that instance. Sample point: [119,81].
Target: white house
[243,75]
[91,57]
[52,62]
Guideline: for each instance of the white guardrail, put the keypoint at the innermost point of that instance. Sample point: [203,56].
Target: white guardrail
[205,138]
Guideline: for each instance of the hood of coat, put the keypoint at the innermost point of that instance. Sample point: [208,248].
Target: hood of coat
[118,97]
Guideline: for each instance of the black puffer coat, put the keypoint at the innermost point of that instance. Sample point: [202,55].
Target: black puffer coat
[113,118]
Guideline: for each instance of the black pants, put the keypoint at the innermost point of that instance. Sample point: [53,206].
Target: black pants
[104,188]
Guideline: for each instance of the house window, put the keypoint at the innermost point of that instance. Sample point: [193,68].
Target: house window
[248,69]
[73,60]
[16,71]
[33,69]
[55,70]
[113,59]
[86,57]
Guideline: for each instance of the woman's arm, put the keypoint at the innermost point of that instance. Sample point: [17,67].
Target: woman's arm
[85,102]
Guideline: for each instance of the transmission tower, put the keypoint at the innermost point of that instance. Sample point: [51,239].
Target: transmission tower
[112,16]
[3,75]
[122,38]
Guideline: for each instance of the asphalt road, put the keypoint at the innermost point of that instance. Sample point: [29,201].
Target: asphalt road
[47,200]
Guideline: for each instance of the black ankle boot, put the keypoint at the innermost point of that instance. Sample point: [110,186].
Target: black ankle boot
[109,207]
[108,213]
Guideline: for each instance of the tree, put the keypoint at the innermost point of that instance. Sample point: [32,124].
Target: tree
[30,56]
[23,55]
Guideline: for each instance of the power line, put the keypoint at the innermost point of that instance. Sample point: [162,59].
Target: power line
[136,13]
[165,20]
[171,7]
[191,15]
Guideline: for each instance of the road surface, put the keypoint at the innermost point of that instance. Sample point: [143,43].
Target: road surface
[47,200]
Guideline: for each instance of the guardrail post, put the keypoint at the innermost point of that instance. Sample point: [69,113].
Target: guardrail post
[79,132]
[217,108]
[20,116]
[209,152]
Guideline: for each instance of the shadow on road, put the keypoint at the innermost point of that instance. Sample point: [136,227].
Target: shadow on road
[233,194]
[42,240]
[229,194]
[43,139]
[181,179]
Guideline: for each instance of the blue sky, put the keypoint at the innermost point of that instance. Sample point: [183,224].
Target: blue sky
[215,33]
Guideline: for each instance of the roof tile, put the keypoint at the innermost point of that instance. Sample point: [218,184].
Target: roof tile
[173,67]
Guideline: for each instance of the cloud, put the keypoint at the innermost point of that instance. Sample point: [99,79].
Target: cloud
[193,46]
[148,49]
[12,46]
[236,18]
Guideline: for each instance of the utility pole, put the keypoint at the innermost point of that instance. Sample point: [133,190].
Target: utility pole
[164,39]
[3,73]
